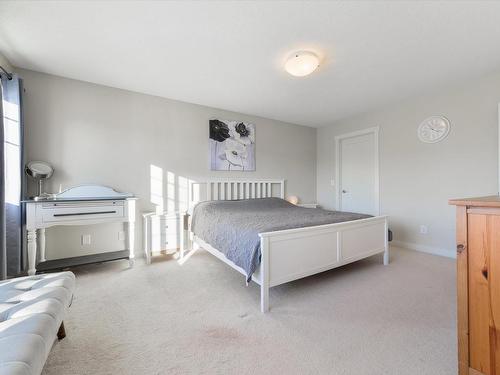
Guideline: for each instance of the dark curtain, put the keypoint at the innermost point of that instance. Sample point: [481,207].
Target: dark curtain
[12,174]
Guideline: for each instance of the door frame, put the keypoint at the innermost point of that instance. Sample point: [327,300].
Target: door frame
[338,162]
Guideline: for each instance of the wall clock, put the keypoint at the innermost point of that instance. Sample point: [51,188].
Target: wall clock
[433,129]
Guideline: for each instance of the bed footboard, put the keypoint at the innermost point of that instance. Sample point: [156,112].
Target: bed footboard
[296,253]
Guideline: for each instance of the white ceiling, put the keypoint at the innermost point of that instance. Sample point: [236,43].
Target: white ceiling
[230,55]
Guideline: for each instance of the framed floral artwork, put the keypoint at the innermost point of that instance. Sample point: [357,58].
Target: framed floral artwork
[232,145]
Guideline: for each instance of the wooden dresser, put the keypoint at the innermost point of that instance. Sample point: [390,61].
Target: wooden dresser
[478,285]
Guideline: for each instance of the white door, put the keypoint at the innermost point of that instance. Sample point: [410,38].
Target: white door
[358,173]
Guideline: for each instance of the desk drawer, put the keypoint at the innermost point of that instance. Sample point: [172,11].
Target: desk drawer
[60,212]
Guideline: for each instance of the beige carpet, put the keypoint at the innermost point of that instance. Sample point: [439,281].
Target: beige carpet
[199,318]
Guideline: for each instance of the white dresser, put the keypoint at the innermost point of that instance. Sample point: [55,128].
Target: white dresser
[163,232]
[81,205]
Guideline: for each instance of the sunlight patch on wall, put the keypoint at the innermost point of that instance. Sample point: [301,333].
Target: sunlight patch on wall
[157,187]
[171,192]
[183,193]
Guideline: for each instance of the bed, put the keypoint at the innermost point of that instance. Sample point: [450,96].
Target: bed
[248,225]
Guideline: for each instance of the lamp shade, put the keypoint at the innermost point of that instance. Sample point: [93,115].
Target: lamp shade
[302,63]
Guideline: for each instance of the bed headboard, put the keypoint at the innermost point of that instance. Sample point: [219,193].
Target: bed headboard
[229,189]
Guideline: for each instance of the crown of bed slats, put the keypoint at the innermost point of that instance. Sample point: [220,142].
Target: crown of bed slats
[230,189]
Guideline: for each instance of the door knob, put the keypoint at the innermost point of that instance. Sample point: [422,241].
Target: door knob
[344,191]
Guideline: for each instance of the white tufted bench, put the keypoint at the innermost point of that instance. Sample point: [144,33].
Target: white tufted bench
[32,309]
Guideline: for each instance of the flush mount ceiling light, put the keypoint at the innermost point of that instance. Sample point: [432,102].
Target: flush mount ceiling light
[302,63]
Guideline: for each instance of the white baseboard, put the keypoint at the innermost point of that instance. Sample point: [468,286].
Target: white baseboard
[425,249]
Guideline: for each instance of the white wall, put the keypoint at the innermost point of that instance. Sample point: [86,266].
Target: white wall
[97,134]
[5,63]
[417,179]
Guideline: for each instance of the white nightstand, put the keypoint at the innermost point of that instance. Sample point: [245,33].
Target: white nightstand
[308,205]
[162,232]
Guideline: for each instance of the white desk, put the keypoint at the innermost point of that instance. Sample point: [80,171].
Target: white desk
[82,205]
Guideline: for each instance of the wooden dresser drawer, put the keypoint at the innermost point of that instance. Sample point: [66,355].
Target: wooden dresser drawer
[483,231]
[67,211]
[478,286]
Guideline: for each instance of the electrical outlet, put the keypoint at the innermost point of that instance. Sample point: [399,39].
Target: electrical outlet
[121,236]
[424,229]
[86,239]
[332,183]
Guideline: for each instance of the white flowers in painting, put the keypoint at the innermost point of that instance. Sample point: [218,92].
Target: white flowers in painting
[232,145]
[235,152]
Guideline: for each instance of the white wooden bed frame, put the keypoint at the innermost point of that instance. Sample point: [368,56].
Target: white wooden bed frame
[292,254]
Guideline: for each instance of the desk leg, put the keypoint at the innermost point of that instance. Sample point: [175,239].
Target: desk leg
[31,252]
[131,242]
[41,244]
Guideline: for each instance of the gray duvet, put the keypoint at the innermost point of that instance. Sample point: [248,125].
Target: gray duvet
[233,227]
